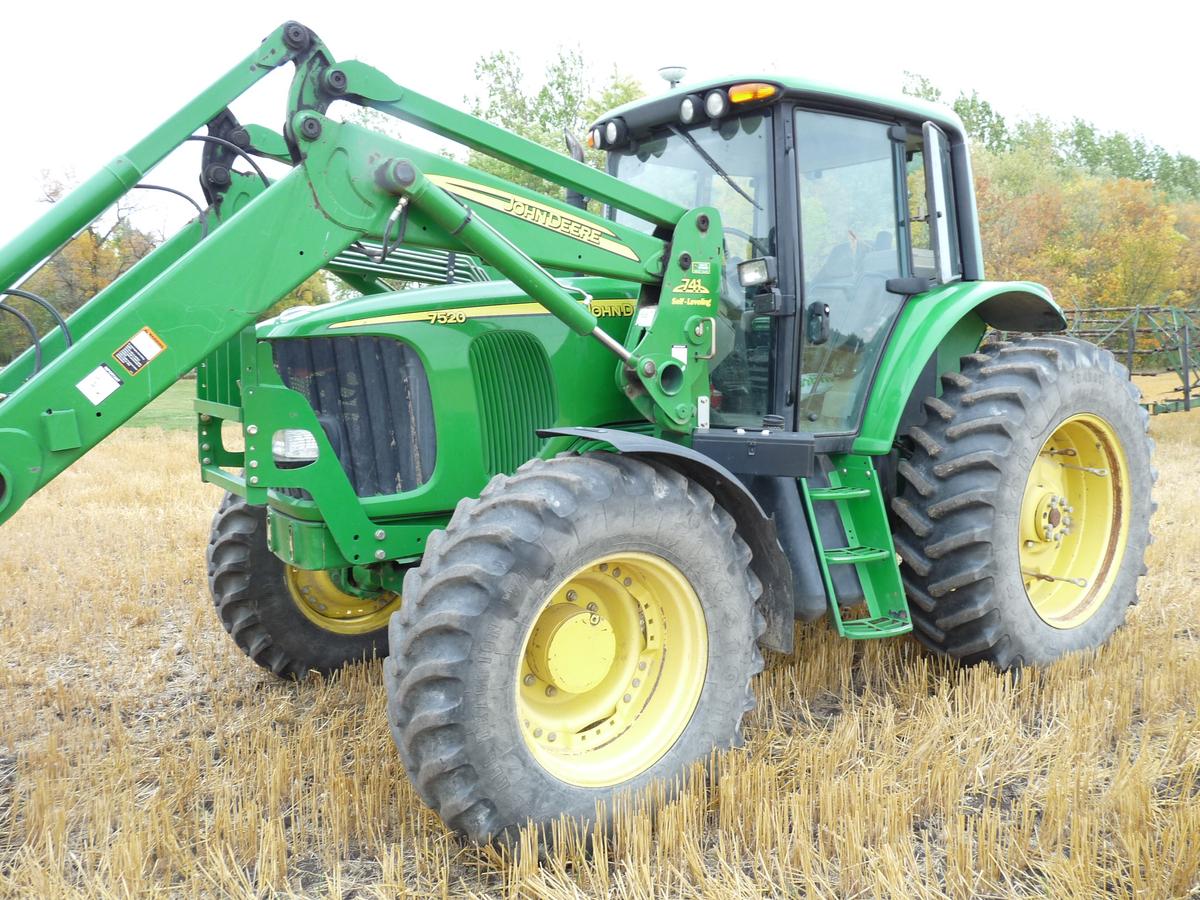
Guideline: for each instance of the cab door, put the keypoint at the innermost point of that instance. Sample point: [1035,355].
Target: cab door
[853,232]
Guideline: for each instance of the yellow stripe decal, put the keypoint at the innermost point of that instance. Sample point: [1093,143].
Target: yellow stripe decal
[451,316]
[535,213]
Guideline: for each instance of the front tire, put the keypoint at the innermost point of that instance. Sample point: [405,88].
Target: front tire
[586,626]
[289,621]
[1023,512]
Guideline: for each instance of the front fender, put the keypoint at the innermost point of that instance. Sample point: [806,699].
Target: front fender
[926,320]
[754,525]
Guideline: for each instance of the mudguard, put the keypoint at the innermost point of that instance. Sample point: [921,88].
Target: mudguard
[926,321]
[754,525]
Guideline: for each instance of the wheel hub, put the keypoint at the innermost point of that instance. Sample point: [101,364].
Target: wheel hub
[1074,520]
[612,669]
[572,648]
[1052,518]
[323,602]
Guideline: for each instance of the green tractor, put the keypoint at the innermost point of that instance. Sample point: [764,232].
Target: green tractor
[573,487]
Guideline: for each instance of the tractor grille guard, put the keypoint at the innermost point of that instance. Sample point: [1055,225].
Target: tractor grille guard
[371,396]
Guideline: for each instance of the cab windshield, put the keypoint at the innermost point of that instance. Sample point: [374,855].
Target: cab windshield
[672,164]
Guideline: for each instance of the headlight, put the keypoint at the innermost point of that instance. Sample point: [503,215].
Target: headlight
[690,108]
[615,133]
[716,104]
[294,445]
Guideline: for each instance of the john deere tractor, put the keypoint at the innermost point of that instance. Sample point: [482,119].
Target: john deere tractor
[575,485]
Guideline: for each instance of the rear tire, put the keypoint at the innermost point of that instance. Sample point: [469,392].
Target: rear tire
[257,600]
[970,556]
[463,700]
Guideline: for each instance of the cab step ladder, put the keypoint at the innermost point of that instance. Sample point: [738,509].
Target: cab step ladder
[854,488]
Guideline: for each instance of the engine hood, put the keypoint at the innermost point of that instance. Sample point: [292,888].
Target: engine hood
[420,304]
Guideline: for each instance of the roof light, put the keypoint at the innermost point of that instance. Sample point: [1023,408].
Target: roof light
[750,91]
[615,132]
[716,104]
[593,138]
[691,108]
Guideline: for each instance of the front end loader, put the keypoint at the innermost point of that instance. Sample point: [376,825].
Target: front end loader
[573,486]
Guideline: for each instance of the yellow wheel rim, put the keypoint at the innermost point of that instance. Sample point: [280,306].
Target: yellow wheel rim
[1074,521]
[330,608]
[612,669]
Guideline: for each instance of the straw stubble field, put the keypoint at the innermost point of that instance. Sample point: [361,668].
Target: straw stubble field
[140,753]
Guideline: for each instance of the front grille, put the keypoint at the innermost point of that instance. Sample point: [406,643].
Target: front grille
[515,391]
[371,396]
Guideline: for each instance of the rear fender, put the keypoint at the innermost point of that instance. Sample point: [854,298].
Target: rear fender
[928,320]
[754,525]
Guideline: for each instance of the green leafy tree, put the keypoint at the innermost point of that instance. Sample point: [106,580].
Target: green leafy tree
[564,101]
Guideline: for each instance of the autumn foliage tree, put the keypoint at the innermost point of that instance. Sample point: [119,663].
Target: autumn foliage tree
[90,262]
[1102,219]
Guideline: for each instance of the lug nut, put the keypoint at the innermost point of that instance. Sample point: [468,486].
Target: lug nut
[529,680]
[592,607]
[551,690]
[572,596]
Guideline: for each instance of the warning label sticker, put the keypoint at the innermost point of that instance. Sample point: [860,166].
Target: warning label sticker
[135,353]
[99,384]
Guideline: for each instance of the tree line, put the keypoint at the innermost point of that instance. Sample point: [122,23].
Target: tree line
[1101,218]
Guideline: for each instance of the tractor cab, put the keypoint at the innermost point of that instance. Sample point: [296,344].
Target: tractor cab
[826,207]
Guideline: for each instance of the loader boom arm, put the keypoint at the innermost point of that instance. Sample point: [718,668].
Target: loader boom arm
[196,292]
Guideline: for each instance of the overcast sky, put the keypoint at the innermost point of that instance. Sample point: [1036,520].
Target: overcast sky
[86,81]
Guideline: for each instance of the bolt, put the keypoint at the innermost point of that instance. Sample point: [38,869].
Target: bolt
[205,417]
[335,81]
[617,572]
[603,567]
[254,479]
[572,596]
[310,128]
[207,460]
[551,690]
[648,368]
[1031,543]
[529,680]
[628,582]
[592,607]
[595,620]
[295,35]
[537,732]
[381,553]
[1046,533]
[627,698]
[642,664]
[251,429]
[552,736]
[254,463]
[637,682]
[205,447]
[699,332]
[380,534]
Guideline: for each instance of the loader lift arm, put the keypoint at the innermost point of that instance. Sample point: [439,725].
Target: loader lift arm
[196,292]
